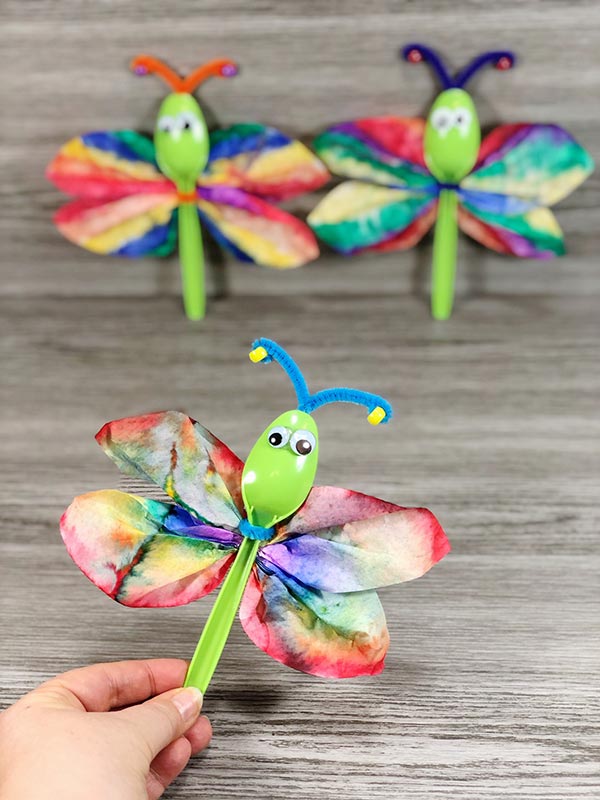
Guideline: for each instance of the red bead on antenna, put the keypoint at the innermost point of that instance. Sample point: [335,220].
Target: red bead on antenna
[415,56]
[504,63]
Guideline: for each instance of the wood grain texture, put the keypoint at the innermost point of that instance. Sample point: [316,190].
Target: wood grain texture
[490,688]
[491,683]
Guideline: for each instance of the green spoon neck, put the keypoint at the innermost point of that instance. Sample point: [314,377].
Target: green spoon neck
[445,242]
[218,625]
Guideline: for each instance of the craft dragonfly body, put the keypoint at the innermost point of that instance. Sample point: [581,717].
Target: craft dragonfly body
[303,561]
[410,174]
[136,197]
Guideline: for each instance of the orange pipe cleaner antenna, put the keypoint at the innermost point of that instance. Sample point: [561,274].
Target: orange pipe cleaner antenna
[220,67]
[145,65]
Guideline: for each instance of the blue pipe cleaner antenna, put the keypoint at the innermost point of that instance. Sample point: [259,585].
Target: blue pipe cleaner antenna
[500,59]
[265,350]
[416,53]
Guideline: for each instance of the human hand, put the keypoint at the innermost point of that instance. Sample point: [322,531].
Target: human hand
[81,736]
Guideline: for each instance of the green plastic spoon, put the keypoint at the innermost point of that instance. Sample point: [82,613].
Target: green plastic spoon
[277,478]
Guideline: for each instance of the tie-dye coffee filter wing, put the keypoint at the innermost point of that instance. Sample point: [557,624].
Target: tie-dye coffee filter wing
[254,230]
[509,225]
[143,552]
[343,541]
[522,169]
[310,604]
[329,635]
[356,217]
[539,163]
[249,165]
[262,161]
[123,206]
[178,454]
[131,226]
[381,150]
[104,165]
[390,201]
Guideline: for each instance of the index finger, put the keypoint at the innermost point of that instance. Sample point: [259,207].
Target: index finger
[102,687]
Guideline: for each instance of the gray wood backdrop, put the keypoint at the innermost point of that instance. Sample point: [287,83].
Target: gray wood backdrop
[491,685]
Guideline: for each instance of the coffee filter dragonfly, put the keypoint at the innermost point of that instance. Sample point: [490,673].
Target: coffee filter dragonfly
[301,562]
[408,175]
[135,196]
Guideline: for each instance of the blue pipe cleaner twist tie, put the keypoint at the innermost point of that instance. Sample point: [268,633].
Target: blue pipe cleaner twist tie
[251,531]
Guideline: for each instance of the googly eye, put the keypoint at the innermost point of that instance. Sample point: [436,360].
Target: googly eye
[188,122]
[278,436]
[462,120]
[442,120]
[166,124]
[302,443]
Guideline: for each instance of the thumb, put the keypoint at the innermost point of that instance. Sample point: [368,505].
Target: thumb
[161,720]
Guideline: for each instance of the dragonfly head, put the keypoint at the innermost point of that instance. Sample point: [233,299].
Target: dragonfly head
[181,135]
[181,140]
[281,467]
[453,134]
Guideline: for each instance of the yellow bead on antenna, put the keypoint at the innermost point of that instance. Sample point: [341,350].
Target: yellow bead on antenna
[257,355]
[376,416]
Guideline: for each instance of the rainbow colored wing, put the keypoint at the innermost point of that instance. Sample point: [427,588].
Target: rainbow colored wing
[254,230]
[104,165]
[331,635]
[145,553]
[131,226]
[310,602]
[383,150]
[124,205]
[509,225]
[262,161]
[391,201]
[521,170]
[178,454]
[540,163]
[343,541]
[356,217]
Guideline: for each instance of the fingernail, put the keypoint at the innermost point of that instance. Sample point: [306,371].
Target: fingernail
[188,702]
